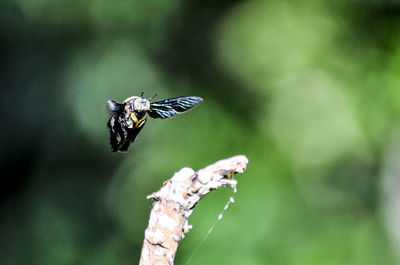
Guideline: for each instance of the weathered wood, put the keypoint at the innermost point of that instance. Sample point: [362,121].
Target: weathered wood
[174,203]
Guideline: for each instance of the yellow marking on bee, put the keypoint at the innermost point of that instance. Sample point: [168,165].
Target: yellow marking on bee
[134,118]
[140,122]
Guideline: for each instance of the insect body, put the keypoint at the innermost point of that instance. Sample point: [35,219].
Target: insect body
[129,117]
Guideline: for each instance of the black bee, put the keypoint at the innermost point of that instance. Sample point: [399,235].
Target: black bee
[129,117]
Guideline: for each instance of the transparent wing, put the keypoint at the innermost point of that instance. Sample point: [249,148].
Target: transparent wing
[114,106]
[169,107]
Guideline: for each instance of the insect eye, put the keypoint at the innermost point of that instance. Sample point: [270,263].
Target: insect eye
[132,105]
[137,105]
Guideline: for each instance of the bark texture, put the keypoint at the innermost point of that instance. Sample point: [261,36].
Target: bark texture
[174,203]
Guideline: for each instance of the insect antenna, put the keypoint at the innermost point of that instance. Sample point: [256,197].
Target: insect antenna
[155,95]
[141,95]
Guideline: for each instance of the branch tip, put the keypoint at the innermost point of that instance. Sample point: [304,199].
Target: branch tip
[175,202]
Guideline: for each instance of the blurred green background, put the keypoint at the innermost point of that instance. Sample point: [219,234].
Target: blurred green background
[308,90]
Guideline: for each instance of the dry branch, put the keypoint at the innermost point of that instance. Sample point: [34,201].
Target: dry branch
[174,203]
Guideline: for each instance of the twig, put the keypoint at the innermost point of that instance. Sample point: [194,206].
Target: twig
[174,203]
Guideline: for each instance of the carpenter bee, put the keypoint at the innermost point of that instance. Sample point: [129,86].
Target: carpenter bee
[129,117]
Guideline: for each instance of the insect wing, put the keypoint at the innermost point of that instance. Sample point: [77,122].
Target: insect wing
[114,106]
[169,107]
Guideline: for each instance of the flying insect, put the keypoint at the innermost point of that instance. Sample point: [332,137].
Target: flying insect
[129,117]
